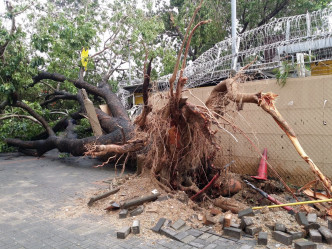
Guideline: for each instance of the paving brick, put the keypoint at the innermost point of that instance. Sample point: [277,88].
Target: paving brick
[135,228]
[280,227]
[178,224]
[232,232]
[195,232]
[137,211]
[262,238]
[296,235]
[158,226]
[301,218]
[205,236]
[252,230]
[123,233]
[188,239]
[211,246]
[329,222]
[312,218]
[212,238]
[314,226]
[315,236]
[123,213]
[305,245]
[282,237]
[246,212]
[326,234]
[245,222]
[168,232]
[196,245]
[181,235]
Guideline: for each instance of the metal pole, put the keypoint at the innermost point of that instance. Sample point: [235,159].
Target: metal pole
[129,62]
[234,36]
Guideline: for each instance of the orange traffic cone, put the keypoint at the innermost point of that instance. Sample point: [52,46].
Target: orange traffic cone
[262,169]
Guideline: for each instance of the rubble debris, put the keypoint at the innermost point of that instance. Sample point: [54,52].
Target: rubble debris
[178,224]
[137,211]
[215,211]
[315,236]
[230,187]
[208,220]
[326,234]
[301,219]
[296,235]
[262,238]
[283,238]
[135,228]
[139,201]
[246,212]
[305,245]
[233,232]
[98,197]
[123,213]
[123,233]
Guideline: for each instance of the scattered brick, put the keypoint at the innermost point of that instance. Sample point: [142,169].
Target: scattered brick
[296,235]
[184,228]
[280,227]
[180,236]
[123,233]
[329,222]
[262,238]
[283,238]
[215,211]
[246,212]
[234,225]
[305,245]
[178,224]
[326,234]
[158,226]
[312,218]
[315,236]
[233,232]
[252,230]
[135,228]
[245,222]
[137,211]
[314,226]
[301,219]
[227,220]
[221,220]
[123,213]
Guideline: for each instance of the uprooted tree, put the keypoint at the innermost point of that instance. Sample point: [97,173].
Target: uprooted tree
[178,141]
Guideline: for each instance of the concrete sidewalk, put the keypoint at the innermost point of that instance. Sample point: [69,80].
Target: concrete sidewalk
[34,190]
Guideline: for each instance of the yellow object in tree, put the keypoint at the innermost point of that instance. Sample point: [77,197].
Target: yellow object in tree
[84,58]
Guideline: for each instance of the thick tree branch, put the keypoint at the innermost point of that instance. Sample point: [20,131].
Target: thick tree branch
[35,115]
[274,12]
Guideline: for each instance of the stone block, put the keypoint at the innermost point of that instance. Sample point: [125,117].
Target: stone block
[195,232]
[315,236]
[245,222]
[314,226]
[280,227]
[178,224]
[283,238]
[233,232]
[188,239]
[305,245]
[168,232]
[312,218]
[135,228]
[252,230]
[246,212]
[227,220]
[329,223]
[301,218]
[158,226]
[326,234]
[123,213]
[262,238]
[234,225]
[123,233]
